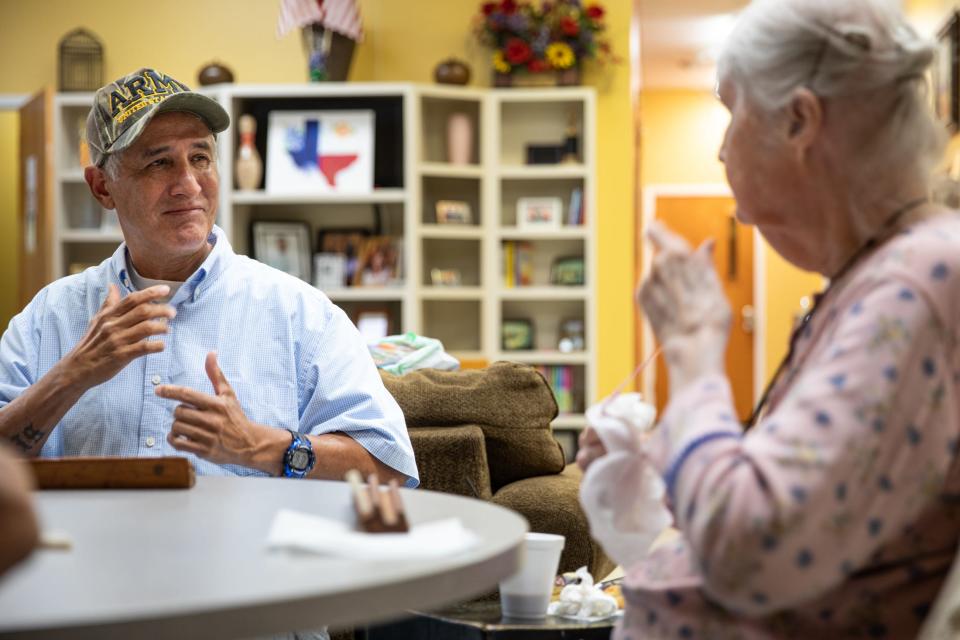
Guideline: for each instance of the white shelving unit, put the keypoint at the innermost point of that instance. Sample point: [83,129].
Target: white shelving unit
[412,124]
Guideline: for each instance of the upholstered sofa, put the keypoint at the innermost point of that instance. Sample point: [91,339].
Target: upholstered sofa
[486,434]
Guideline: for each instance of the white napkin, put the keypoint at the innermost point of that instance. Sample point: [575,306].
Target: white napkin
[621,493]
[584,601]
[297,531]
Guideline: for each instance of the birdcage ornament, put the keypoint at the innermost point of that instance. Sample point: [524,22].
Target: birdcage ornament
[81,61]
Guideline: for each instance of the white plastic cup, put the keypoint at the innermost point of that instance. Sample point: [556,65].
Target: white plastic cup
[527,594]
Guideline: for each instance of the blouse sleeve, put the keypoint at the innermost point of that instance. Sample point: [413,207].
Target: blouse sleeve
[859,445]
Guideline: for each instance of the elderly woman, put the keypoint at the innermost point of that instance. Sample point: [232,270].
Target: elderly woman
[836,512]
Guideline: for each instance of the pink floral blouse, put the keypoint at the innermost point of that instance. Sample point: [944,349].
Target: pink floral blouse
[838,515]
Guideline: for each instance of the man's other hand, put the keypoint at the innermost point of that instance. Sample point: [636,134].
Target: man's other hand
[118,334]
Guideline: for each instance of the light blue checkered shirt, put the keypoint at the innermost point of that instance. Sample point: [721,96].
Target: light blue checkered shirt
[293,358]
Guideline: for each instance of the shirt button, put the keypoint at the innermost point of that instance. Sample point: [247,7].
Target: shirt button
[150,441]
[155,380]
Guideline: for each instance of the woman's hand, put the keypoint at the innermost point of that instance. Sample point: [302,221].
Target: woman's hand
[590,448]
[686,307]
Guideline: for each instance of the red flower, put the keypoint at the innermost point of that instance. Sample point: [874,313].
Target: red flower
[536,66]
[595,12]
[488,8]
[509,7]
[517,51]
[569,26]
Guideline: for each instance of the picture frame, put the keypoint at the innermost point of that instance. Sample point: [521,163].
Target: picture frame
[453,212]
[539,213]
[445,277]
[347,242]
[378,262]
[946,74]
[320,152]
[373,324]
[516,334]
[329,271]
[282,245]
[567,271]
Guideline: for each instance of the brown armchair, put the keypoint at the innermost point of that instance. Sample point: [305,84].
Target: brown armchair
[486,434]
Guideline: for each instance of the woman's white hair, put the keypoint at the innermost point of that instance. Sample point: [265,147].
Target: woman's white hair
[861,53]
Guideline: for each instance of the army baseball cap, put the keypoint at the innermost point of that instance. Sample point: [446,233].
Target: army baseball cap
[123,109]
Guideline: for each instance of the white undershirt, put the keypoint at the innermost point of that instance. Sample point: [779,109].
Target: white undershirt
[140,283]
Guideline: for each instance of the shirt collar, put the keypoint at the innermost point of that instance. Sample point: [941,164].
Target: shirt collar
[207,273]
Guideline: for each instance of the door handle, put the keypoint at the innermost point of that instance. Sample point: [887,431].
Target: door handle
[748,318]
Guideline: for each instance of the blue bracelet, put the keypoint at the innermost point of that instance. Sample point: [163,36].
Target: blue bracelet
[673,471]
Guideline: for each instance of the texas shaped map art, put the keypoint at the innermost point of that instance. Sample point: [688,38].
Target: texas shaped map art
[306,153]
[320,151]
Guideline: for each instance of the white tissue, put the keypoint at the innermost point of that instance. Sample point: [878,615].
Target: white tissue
[297,531]
[621,493]
[583,601]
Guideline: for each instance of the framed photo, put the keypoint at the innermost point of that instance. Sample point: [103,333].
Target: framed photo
[946,73]
[453,212]
[284,246]
[378,263]
[345,242]
[539,213]
[314,152]
[373,324]
[445,277]
[329,271]
[567,271]
[517,334]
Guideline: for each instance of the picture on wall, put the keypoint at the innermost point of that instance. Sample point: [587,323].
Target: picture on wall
[317,152]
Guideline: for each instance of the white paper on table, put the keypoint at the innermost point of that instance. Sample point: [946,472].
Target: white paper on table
[621,493]
[297,531]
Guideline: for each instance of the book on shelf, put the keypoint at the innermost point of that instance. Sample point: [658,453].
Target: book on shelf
[560,379]
[575,210]
[517,264]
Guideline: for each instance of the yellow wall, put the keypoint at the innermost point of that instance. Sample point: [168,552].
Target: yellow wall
[9,229]
[682,133]
[403,44]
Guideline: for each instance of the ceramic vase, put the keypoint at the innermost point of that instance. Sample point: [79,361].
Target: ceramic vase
[249,165]
[459,138]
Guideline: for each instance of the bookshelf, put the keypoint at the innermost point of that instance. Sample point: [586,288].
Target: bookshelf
[412,173]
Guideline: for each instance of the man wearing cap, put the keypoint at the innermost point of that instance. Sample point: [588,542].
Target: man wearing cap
[177,344]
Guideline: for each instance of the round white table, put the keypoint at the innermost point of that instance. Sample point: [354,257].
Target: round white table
[193,564]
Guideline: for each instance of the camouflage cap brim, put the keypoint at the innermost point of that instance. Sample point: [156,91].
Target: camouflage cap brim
[207,109]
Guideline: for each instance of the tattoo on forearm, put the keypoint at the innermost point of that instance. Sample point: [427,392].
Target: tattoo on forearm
[28,438]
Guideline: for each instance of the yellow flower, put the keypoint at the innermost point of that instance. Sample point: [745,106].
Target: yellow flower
[560,55]
[499,64]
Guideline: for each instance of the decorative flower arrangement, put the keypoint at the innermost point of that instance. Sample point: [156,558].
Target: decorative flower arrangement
[556,35]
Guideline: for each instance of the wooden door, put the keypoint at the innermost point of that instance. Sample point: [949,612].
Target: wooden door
[699,218]
[36,195]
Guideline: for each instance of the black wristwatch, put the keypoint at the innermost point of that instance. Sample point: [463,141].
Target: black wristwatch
[299,459]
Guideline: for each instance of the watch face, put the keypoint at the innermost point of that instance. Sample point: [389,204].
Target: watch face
[299,460]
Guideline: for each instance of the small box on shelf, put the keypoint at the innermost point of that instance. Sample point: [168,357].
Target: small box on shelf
[517,334]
